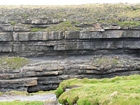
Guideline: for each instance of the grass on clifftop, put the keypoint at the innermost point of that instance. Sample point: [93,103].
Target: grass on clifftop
[125,15]
[115,91]
[12,62]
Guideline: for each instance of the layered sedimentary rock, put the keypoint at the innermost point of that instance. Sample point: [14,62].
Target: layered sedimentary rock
[46,73]
[117,50]
[70,43]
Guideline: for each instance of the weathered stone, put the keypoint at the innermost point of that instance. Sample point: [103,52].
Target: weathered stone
[132,44]
[5,48]
[24,36]
[6,28]
[84,25]
[43,21]
[35,36]
[17,48]
[131,34]
[55,35]
[56,21]
[113,34]
[17,84]
[90,35]
[31,82]
[111,27]
[60,47]
[88,72]
[67,46]
[15,36]
[72,35]
[21,28]
[40,26]
[6,36]
[28,21]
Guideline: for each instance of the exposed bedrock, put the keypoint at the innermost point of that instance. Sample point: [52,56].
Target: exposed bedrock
[47,72]
[70,43]
[60,55]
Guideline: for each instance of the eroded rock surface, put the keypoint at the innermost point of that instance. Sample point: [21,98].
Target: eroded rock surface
[68,46]
[47,72]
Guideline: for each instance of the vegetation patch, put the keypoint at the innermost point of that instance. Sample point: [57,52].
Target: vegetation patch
[113,61]
[22,103]
[13,62]
[64,26]
[124,90]
[12,22]
[121,23]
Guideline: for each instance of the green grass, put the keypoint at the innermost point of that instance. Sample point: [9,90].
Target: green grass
[13,62]
[22,103]
[12,22]
[64,26]
[124,23]
[123,90]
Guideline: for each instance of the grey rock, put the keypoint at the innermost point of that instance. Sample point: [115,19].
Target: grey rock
[40,21]
[35,36]
[72,35]
[90,35]
[15,36]
[23,36]
[131,34]
[21,28]
[113,34]
[111,27]
[6,28]
[5,48]
[40,26]
[6,36]
[55,35]
[26,21]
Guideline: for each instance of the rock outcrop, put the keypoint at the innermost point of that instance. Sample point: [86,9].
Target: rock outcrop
[70,43]
[46,73]
[117,46]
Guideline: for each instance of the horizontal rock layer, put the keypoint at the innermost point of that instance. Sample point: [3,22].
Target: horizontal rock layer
[46,74]
[70,42]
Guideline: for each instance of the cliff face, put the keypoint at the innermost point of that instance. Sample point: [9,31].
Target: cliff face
[70,43]
[66,49]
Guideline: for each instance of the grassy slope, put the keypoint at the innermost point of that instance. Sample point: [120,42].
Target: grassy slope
[12,62]
[115,91]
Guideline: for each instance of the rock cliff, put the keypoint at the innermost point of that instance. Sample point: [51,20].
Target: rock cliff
[91,50]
